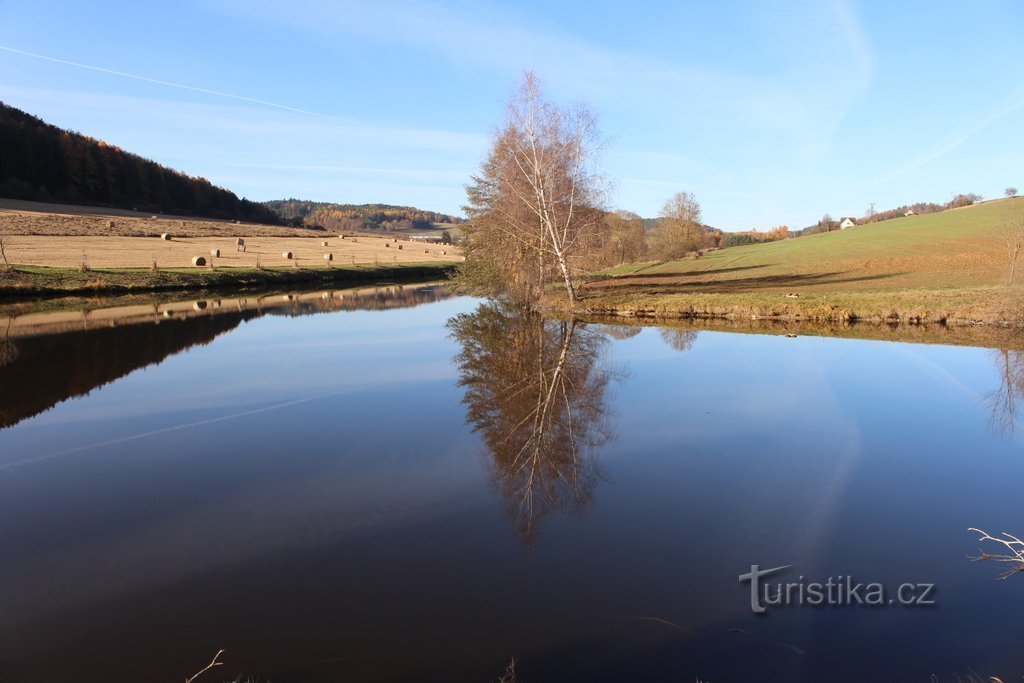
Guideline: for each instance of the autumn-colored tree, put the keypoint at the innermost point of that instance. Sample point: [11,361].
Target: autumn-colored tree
[679,228]
[534,206]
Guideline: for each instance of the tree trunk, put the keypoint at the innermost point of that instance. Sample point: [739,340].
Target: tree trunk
[564,267]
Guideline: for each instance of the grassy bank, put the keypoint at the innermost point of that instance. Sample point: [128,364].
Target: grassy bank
[947,268]
[991,305]
[30,282]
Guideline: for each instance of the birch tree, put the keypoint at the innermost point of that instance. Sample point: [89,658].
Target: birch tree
[534,206]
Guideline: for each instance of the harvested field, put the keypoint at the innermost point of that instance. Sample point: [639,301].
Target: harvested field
[139,252]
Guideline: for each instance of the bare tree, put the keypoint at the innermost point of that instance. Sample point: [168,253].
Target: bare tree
[1010,191]
[3,252]
[1013,235]
[679,229]
[624,238]
[533,208]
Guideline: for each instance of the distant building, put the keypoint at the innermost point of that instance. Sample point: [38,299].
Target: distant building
[429,239]
[846,223]
[910,212]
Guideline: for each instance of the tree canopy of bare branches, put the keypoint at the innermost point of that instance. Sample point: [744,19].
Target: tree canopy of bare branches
[535,392]
[1006,402]
[534,207]
[624,238]
[679,227]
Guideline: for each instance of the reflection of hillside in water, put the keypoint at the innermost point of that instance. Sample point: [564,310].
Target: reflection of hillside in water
[46,358]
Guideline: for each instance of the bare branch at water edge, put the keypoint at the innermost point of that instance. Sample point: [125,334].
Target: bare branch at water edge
[1013,556]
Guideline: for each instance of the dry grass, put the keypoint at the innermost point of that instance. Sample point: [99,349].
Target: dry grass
[939,268]
[141,252]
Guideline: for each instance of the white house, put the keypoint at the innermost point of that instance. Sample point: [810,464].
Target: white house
[846,223]
[909,212]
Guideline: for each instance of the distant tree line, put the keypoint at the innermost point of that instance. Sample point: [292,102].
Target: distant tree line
[754,236]
[41,162]
[339,217]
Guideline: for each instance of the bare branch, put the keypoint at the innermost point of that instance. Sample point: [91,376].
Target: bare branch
[213,664]
[1014,555]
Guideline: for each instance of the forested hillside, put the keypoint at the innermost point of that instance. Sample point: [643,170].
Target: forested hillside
[41,162]
[357,216]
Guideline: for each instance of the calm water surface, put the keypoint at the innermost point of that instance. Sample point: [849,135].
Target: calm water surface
[424,493]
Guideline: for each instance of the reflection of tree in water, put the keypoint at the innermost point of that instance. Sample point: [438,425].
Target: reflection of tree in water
[680,340]
[1005,402]
[8,349]
[535,391]
[620,332]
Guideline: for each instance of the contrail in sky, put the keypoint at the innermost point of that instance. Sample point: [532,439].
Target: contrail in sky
[170,84]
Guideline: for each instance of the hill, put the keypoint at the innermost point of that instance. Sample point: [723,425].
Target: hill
[931,264]
[41,162]
[350,217]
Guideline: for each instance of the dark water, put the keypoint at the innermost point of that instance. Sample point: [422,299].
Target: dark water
[424,493]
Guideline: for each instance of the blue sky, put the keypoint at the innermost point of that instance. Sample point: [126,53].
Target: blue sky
[770,113]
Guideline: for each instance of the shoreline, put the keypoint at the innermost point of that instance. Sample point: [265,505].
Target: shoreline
[996,307]
[29,282]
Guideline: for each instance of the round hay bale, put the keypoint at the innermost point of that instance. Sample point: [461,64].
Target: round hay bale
[198,261]
[110,224]
[399,247]
[240,242]
[443,252]
[324,243]
[215,253]
[166,236]
[387,244]
[328,257]
[288,255]
[199,305]
[394,239]
[354,239]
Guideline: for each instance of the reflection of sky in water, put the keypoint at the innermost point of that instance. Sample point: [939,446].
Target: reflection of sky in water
[837,456]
